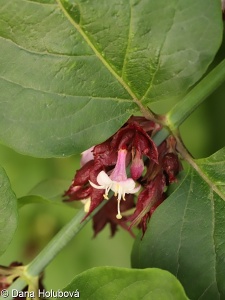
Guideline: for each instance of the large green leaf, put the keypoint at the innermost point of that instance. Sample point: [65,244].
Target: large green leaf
[71,69]
[119,283]
[186,233]
[8,211]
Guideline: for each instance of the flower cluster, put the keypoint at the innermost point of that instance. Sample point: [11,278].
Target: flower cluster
[15,270]
[105,167]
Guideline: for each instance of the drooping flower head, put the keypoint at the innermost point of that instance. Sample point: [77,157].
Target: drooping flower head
[117,181]
[130,166]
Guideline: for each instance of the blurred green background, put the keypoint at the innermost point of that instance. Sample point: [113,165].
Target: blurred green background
[38,223]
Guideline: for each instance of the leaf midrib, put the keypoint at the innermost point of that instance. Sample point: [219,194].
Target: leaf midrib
[97,53]
[194,164]
[207,179]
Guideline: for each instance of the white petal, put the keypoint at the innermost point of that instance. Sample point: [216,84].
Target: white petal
[126,187]
[99,187]
[130,187]
[115,186]
[103,179]
[136,189]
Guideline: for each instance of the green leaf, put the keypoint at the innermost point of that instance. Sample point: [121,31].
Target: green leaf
[70,69]
[51,188]
[8,211]
[186,233]
[119,283]
[46,192]
[213,168]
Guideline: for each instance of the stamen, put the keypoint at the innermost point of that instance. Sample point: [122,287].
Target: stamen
[116,189]
[106,192]
[118,216]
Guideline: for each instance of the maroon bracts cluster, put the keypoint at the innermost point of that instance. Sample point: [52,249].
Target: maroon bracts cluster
[104,167]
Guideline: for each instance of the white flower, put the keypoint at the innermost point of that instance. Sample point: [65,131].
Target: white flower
[117,181]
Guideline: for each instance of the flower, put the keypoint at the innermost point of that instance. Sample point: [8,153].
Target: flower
[104,167]
[117,181]
[137,166]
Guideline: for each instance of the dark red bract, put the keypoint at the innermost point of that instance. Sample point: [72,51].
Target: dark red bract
[152,168]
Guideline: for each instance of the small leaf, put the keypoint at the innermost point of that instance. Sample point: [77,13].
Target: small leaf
[8,211]
[52,189]
[47,192]
[119,283]
[72,72]
[186,233]
[31,199]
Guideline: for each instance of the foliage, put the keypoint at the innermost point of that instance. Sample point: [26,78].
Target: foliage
[72,72]
[121,283]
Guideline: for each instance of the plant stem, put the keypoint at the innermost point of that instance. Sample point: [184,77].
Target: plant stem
[60,240]
[160,136]
[195,97]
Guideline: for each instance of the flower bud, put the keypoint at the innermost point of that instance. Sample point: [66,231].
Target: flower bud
[137,166]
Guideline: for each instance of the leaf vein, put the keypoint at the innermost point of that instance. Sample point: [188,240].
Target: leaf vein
[104,61]
[205,291]
[128,42]
[65,95]
[39,3]
[158,54]
[50,53]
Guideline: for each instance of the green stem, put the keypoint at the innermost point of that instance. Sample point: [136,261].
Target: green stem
[195,97]
[60,240]
[160,136]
